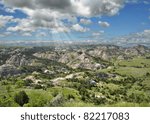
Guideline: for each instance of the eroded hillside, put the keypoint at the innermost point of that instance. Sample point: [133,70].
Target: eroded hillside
[90,75]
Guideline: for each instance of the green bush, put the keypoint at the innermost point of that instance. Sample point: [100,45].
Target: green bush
[6,101]
[100,100]
[21,98]
[8,89]
[38,98]
[19,83]
[137,96]
[57,101]
[37,86]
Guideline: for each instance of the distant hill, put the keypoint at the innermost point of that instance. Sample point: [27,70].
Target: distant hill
[90,57]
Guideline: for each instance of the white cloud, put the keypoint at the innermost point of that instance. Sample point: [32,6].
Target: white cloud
[24,25]
[49,14]
[85,21]
[41,34]
[27,34]
[4,20]
[98,7]
[9,10]
[61,29]
[76,7]
[104,24]
[136,38]
[72,19]
[79,28]
[97,34]
[146,32]
[5,34]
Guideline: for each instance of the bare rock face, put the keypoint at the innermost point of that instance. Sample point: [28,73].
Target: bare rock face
[8,70]
[132,52]
[17,60]
[74,59]
[142,49]
[67,57]
[47,55]
[105,52]
[137,50]
[85,61]
[92,58]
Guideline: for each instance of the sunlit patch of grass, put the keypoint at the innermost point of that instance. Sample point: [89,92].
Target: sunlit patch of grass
[135,62]
[78,104]
[132,71]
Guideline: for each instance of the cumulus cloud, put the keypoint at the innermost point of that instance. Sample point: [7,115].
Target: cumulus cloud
[27,34]
[4,20]
[135,38]
[9,10]
[104,24]
[24,25]
[79,28]
[96,7]
[97,34]
[146,33]
[5,34]
[18,3]
[61,29]
[41,34]
[85,21]
[50,13]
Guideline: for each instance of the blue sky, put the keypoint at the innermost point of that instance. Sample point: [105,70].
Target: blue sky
[73,20]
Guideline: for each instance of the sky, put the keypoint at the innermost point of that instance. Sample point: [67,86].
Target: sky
[74,20]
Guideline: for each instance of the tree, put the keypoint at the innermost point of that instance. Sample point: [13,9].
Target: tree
[21,98]
[19,83]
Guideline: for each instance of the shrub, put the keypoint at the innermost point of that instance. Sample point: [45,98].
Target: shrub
[6,101]
[55,93]
[21,98]
[57,101]
[19,83]
[8,89]
[137,96]
[70,96]
[4,82]
[100,100]
[37,86]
